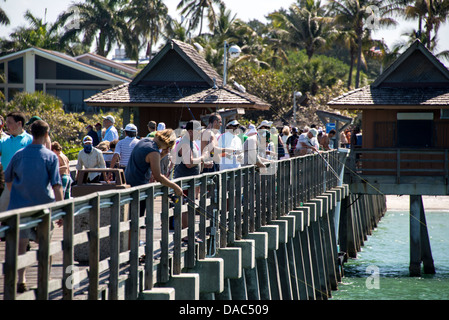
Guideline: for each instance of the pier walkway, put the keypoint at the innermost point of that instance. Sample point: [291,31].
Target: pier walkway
[280,234]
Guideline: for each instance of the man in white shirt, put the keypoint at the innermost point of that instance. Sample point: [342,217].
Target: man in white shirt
[111,133]
[90,158]
[231,140]
[306,143]
[124,147]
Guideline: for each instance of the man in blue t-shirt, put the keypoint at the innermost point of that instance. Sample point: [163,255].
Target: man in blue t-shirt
[18,139]
[32,177]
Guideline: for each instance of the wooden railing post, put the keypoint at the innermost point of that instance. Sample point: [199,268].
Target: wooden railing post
[11,256]
[114,236]
[257,200]
[231,209]
[251,198]
[190,255]
[224,209]
[94,248]
[238,204]
[134,245]
[177,237]
[68,252]
[164,268]
[204,216]
[43,273]
[246,200]
[149,239]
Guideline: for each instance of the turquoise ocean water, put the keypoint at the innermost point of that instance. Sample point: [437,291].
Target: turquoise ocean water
[380,271]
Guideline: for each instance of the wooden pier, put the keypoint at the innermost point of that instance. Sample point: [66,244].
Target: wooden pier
[251,235]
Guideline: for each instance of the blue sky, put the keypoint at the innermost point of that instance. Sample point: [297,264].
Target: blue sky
[245,10]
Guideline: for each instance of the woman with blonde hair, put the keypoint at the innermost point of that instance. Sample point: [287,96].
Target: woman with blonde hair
[146,156]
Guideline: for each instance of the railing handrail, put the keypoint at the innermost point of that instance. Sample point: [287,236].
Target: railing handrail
[243,198]
[437,166]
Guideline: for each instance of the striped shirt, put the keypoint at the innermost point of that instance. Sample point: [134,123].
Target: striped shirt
[124,148]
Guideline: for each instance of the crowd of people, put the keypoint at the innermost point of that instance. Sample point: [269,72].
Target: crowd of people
[34,170]
[188,151]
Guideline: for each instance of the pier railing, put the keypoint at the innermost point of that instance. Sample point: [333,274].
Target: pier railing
[221,207]
[401,162]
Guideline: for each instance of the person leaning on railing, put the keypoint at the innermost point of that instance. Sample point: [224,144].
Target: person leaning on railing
[146,157]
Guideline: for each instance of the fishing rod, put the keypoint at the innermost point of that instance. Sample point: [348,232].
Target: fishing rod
[330,167]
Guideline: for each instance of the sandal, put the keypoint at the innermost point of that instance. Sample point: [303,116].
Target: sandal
[22,287]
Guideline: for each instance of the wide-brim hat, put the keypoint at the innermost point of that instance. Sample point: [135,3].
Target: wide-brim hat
[233,123]
[265,123]
[251,131]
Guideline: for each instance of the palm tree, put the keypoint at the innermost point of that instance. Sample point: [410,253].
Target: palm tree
[433,13]
[348,39]
[195,10]
[305,23]
[353,15]
[175,30]
[3,17]
[275,37]
[147,19]
[38,34]
[101,21]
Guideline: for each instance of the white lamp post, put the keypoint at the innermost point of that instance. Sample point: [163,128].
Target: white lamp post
[234,52]
[296,94]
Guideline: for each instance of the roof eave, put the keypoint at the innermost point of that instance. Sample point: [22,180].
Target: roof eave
[176,105]
[387,107]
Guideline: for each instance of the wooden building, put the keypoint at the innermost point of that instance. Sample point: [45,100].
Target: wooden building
[405,127]
[71,79]
[178,85]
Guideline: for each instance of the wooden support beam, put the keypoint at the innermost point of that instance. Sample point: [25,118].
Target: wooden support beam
[419,239]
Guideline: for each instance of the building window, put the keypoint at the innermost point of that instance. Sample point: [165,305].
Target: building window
[12,92]
[15,71]
[444,114]
[73,99]
[2,73]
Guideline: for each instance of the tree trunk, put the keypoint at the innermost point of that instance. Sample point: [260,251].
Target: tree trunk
[351,68]
[359,58]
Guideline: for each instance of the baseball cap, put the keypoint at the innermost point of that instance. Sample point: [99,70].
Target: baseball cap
[32,119]
[87,139]
[110,118]
[314,132]
[131,127]
[161,126]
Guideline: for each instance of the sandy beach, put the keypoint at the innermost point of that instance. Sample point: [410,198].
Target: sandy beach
[431,203]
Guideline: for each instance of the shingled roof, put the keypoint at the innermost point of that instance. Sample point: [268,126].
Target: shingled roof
[176,76]
[416,80]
